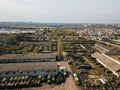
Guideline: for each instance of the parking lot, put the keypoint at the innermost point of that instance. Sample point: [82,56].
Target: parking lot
[69,84]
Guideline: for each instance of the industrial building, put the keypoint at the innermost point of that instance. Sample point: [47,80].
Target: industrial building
[37,43]
[50,45]
[15,58]
[28,69]
[102,48]
[108,62]
[34,38]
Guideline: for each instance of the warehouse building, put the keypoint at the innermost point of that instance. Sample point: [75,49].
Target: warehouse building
[49,45]
[103,48]
[37,43]
[15,58]
[28,69]
[34,38]
[108,62]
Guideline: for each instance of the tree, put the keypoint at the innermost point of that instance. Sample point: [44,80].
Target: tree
[68,32]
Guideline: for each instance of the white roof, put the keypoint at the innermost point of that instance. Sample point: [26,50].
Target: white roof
[107,62]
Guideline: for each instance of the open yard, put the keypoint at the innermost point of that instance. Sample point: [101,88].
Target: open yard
[68,85]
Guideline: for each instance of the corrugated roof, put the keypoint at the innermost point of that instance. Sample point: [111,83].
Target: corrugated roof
[104,46]
[108,62]
[34,43]
[26,56]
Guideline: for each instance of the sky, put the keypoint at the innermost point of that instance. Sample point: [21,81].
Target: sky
[60,11]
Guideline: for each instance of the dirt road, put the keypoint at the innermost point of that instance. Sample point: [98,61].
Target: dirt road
[70,83]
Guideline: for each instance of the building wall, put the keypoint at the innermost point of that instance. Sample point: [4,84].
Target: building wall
[27,60]
[29,73]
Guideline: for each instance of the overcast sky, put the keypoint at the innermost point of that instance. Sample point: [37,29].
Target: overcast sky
[66,11]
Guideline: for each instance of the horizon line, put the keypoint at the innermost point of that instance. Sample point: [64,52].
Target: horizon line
[55,22]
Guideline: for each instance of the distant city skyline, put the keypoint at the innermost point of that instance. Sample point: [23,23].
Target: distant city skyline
[60,11]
